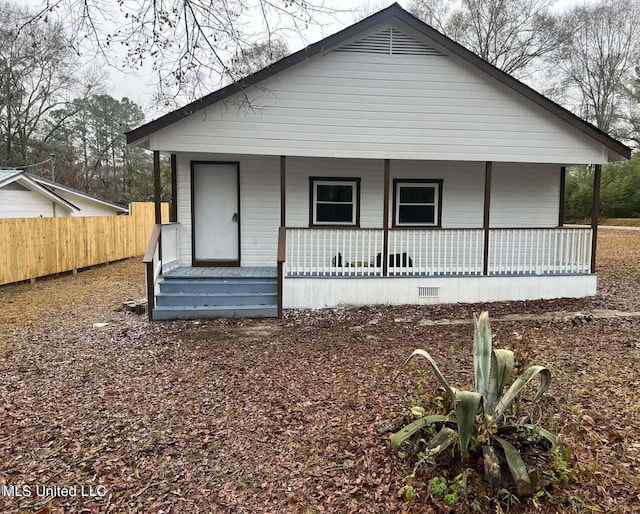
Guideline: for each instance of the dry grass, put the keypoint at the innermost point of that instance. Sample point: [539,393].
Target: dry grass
[622,222]
[281,416]
[73,302]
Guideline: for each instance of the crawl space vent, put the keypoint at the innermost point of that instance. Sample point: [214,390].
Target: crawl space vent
[390,41]
[428,292]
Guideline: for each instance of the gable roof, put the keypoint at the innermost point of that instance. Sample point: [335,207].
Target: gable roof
[48,189]
[393,11]
[9,176]
[49,184]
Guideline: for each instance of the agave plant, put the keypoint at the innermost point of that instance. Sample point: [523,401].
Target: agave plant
[481,414]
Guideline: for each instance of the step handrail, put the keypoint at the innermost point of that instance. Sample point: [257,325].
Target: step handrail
[152,274]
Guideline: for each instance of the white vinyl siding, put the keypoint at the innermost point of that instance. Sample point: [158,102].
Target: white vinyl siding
[462,189]
[259,210]
[26,204]
[183,197]
[370,173]
[362,105]
[525,195]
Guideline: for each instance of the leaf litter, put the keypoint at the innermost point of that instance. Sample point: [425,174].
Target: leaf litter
[283,415]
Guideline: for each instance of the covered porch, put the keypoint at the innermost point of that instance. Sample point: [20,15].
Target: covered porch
[508,263]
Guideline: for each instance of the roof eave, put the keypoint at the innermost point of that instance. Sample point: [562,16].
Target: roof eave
[46,183]
[35,186]
[10,179]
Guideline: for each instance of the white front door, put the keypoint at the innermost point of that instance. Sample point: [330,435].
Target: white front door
[216,213]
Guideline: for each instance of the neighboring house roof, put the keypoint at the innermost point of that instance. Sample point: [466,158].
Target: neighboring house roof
[50,190]
[9,176]
[393,11]
[49,184]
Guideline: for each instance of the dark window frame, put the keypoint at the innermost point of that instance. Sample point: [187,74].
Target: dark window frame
[356,199]
[421,181]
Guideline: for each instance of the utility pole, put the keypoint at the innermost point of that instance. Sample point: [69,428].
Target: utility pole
[53,169]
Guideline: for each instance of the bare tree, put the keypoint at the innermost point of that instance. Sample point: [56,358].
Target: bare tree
[631,109]
[596,60]
[189,43]
[255,57]
[34,79]
[513,35]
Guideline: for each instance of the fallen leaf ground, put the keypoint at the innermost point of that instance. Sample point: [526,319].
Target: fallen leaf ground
[282,415]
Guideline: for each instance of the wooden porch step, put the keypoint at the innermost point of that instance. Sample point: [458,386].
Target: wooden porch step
[217,285]
[192,293]
[212,299]
[220,311]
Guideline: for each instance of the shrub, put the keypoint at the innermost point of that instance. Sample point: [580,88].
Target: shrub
[478,420]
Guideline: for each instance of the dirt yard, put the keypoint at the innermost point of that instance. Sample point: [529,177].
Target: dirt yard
[283,415]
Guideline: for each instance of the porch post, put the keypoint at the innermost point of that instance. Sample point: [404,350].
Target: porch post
[282,232]
[283,191]
[487,210]
[563,178]
[156,186]
[173,216]
[595,214]
[385,220]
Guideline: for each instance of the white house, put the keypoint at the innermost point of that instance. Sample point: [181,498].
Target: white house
[383,164]
[23,195]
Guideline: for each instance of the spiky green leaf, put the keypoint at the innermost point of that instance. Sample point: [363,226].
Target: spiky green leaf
[402,435]
[467,405]
[526,377]
[481,351]
[502,363]
[516,466]
[451,392]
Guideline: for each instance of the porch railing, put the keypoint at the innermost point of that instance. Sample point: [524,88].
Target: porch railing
[160,257]
[436,252]
[169,243]
[539,251]
[334,252]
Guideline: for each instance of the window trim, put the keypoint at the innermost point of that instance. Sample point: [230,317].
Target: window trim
[398,182]
[313,181]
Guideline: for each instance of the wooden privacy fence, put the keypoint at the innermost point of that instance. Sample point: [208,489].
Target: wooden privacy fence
[36,247]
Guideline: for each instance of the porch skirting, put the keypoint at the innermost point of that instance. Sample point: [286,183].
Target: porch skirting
[311,293]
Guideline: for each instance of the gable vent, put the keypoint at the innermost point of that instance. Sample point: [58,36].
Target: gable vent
[390,41]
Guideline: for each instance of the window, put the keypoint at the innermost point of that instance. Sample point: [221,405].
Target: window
[334,201]
[417,203]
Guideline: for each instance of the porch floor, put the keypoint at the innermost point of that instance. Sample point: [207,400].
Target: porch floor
[223,272]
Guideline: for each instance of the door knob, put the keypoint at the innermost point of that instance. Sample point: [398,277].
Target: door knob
[235,216]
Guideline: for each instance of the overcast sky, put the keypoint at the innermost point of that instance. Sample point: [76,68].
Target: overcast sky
[140,86]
